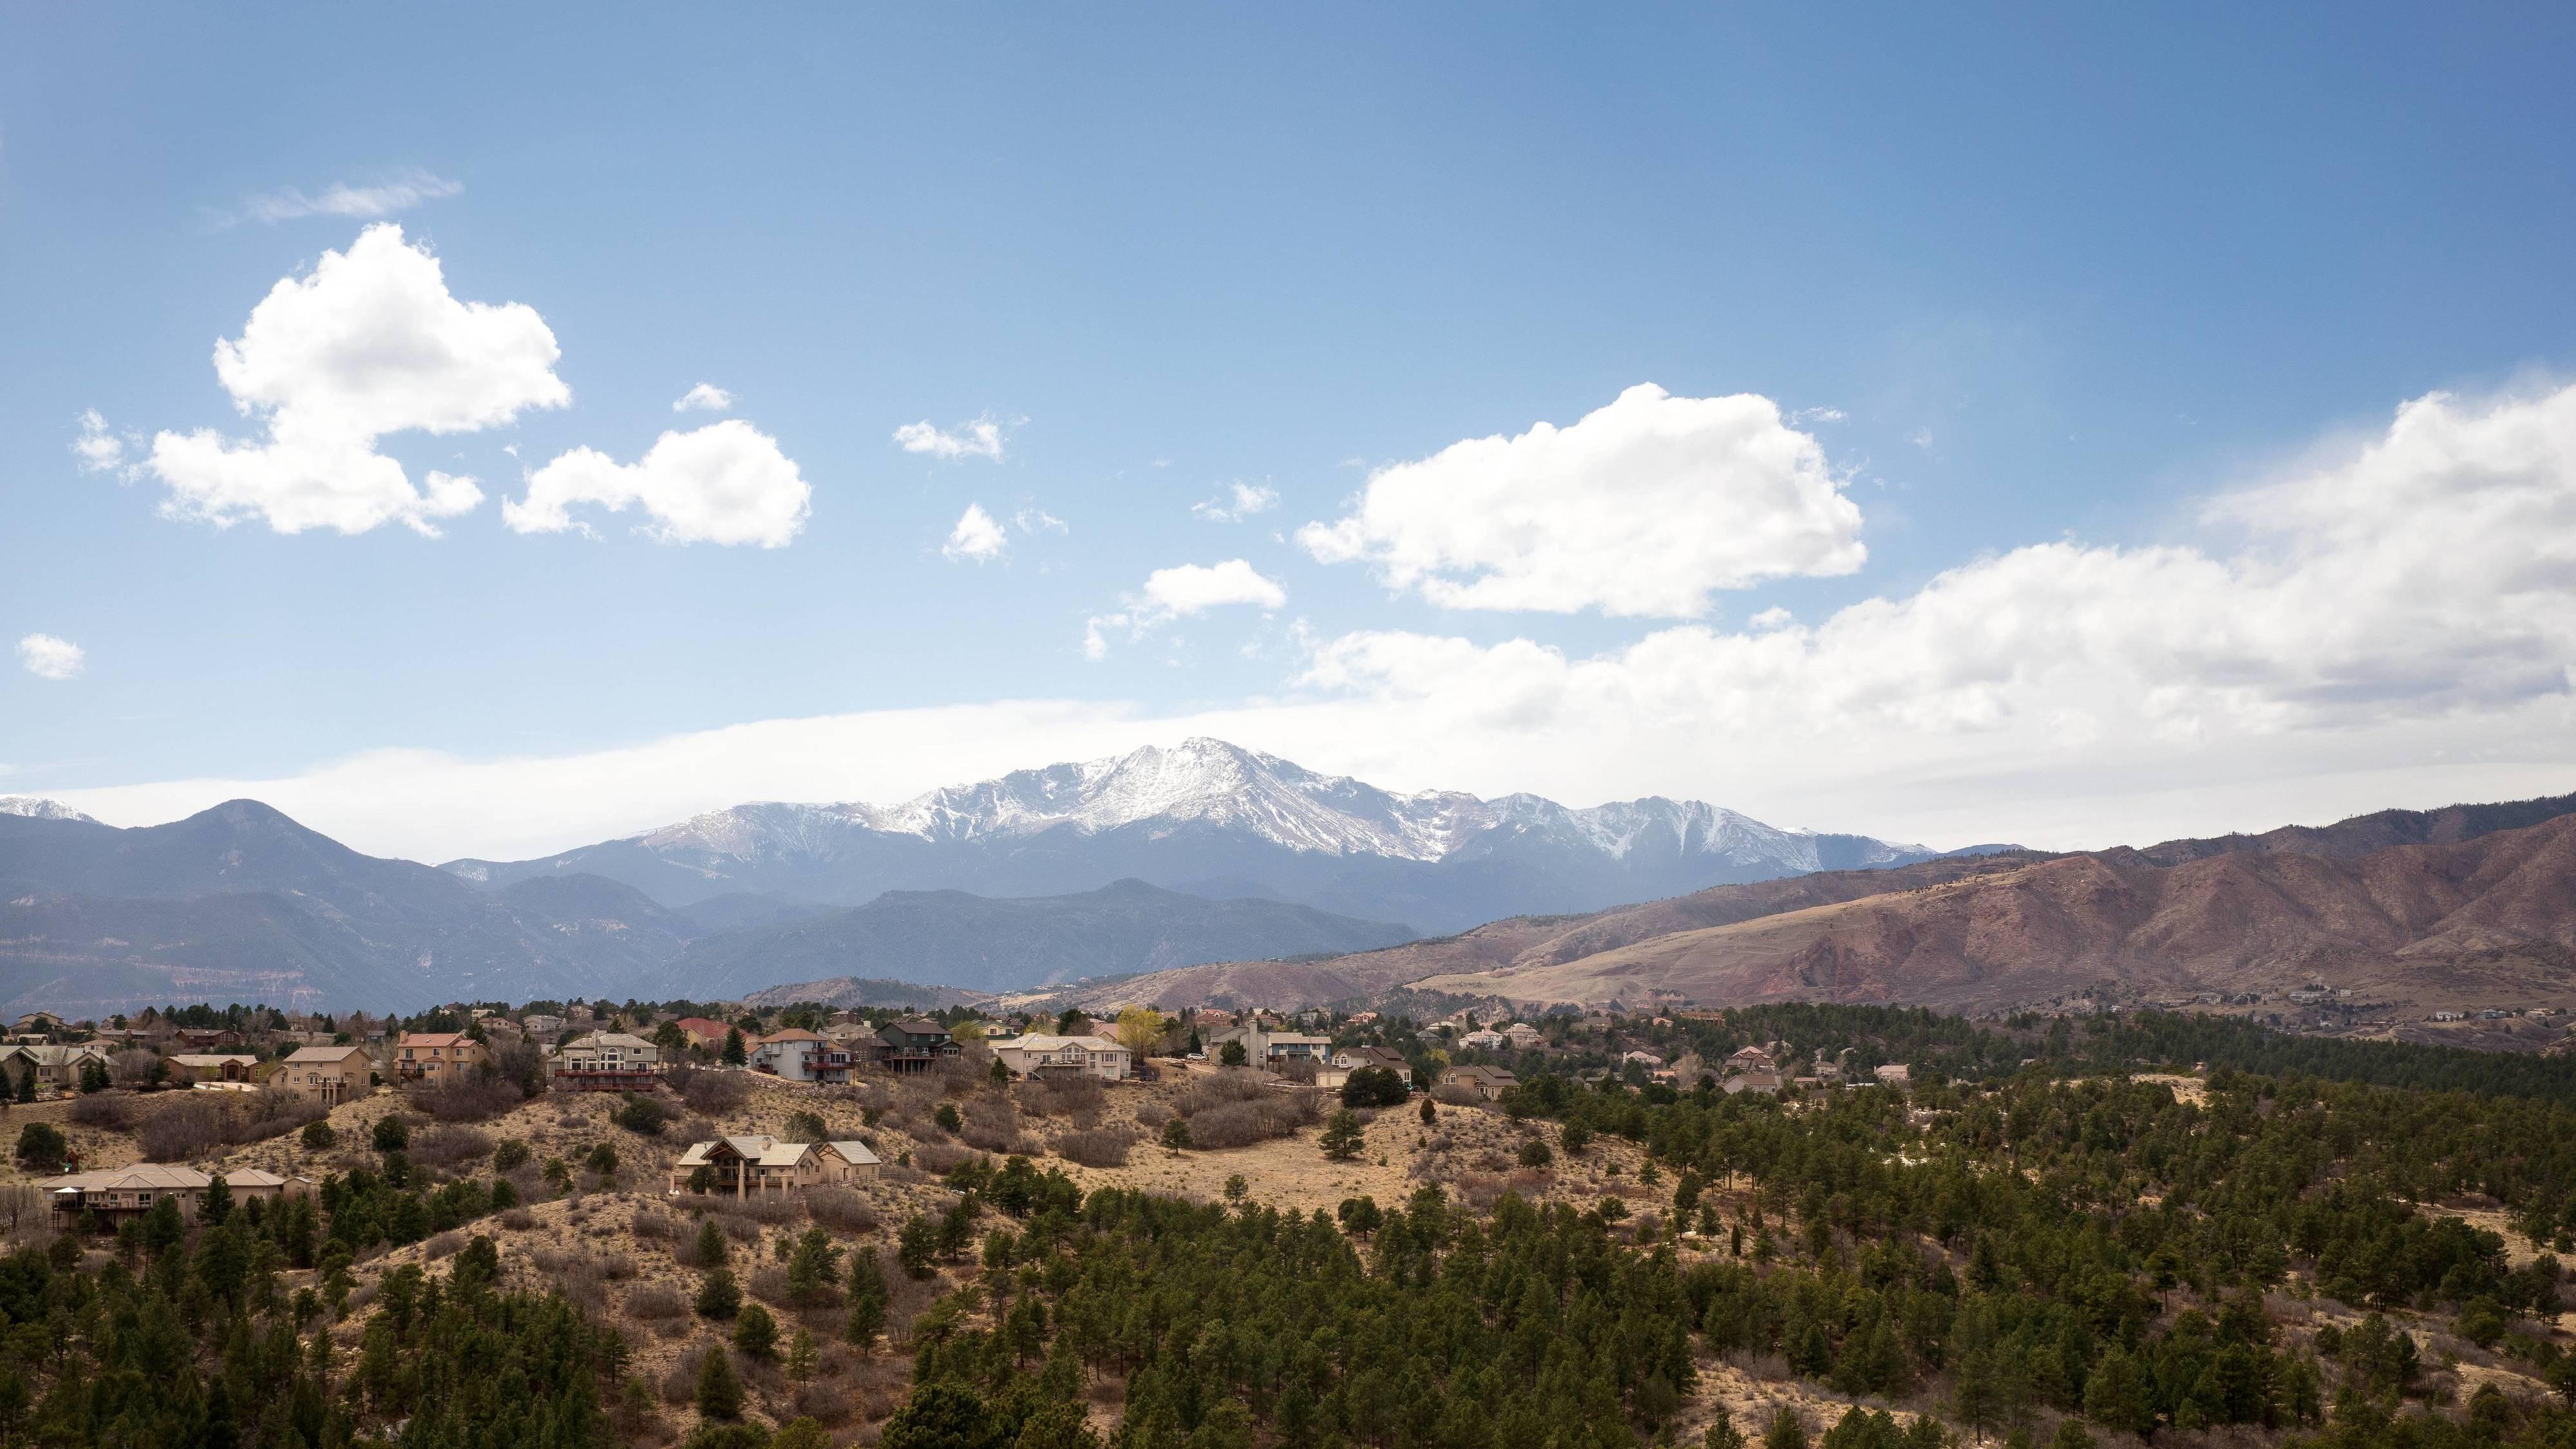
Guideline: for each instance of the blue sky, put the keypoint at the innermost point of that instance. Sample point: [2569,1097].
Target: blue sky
[2112,283]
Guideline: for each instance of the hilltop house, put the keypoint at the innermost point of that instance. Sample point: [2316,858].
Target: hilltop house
[705,1033]
[116,1193]
[1488,1083]
[607,1061]
[1523,1035]
[914,1043]
[329,1075]
[761,1164]
[57,1067]
[437,1056]
[1064,1056]
[1264,1047]
[797,1055]
[213,1066]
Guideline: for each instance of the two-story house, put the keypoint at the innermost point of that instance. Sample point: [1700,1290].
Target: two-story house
[794,1054]
[329,1075]
[607,1061]
[437,1056]
[915,1043]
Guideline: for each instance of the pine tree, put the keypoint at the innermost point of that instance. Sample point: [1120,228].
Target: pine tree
[1342,1139]
[712,1250]
[755,1333]
[868,1295]
[719,1387]
[719,1297]
[735,1054]
[218,1202]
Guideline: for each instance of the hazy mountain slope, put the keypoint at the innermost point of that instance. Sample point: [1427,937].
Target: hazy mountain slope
[1209,818]
[2362,834]
[952,938]
[2490,918]
[1522,940]
[241,903]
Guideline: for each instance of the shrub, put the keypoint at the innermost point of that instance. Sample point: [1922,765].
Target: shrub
[805,1126]
[468,1097]
[320,1136]
[1220,1090]
[443,1245]
[1374,1087]
[640,1115]
[41,1146]
[1574,1138]
[947,1117]
[654,1302]
[602,1159]
[755,1334]
[712,1094]
[510,1156]
[445,1147]
[192,1126]
[111,1111]
[392,1133]
[1535,1153]
[1153,1114]
[840,1209]
[1240,1124]
[939,1159]
[1100,1147]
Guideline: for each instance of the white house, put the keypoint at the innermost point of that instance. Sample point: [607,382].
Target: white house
[797,1055]
[1893,1074]
[1485,1039]
[1084,1056]
[1524,1036]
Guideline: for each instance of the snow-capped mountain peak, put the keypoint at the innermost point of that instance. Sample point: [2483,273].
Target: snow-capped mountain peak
[1211,783]
[40,808]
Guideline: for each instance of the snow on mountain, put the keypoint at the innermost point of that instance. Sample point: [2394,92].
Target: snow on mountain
[37,807]
[1208,782]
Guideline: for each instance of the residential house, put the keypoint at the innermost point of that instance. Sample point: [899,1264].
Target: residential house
[1487,1083]
[850,1161]
[116,1193]
[1484,1039]
[748,1164]
[914,1043]
[1524,1036]
[704,1032]
[1893,1074]
[797,1055]
[213,1066]
[207,1039]
[607,1061]
[437,1056]
[1039,1055]
[541,1023]
[1642,1058]
[329,1075]
[1765,1083]
[56,1066]
[36,1025]
[1351,1059]
[1265,1046]
[1752,1059]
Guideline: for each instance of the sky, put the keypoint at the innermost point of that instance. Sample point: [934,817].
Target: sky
[482,431]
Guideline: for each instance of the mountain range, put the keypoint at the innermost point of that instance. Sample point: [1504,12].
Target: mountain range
[2470,905]
[1154,860]
[1210,819]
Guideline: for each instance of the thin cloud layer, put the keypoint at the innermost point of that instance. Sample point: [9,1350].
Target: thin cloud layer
[368,344]
[403,191]
[706,397]
[1240,501]
[1642,508]
[724,483]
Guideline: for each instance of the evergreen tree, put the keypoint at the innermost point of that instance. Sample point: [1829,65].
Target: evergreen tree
[868,1295]
[735,1054]
[1342,1139]
[719,1387]
[719,1297]
[755,1334]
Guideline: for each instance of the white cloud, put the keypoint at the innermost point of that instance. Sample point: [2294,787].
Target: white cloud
[1245,500]
[2392,626]
[705,397]
[981,438]
[47,657]
[977,537]
[1032,519]
[369,343]
[98,450]
[1641,508]
[1179,593]
[724,483]
[403,191]
[1803,416]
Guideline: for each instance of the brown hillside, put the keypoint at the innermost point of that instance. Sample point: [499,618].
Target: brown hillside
[2491,918]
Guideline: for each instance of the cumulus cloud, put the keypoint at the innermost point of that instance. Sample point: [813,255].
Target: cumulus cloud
[1179,593]
[1641,508]
[1241,501]
[724,483]
[369,343]
[981,438]
[706,397]
[47,657]
[401,192]
[976,538]
[98,450]
[2393,624]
